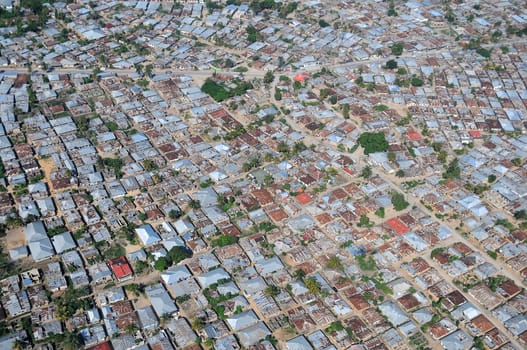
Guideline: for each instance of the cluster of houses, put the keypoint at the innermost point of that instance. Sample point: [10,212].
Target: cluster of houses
[290,243]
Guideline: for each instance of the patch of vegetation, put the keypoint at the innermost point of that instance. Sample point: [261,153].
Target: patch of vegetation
[397,49]
[313,285]
[373,142]
[398,201]
[380,108]
[224,240]
[453,171]
[220,93]
[334,263]
[366,262]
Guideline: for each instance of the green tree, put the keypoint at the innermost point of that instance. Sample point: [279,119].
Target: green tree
[364,221]
[366,172]
[380,212]
[277,94]
[72,340]
[397,49]
[520,214]
[398,201]
[346,111]
[453,170]
[491,178]
[194,204]
[373,142]
[149,69]
[198,324]
[334,263]
[272,290]
[391,64]
[268,77]
[162,263]
[299,274]
[415,81]
[313,285]
[178,254]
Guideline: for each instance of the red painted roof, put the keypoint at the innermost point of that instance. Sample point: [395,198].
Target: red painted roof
[102,346]
[349,171]
[397,225]
[475,134]
[412,135]
[120,267]
[303,198]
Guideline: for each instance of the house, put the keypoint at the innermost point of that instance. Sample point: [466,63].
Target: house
[211,277]
[147,235]
[458,340]
[242,320]
[147,318]
[63,242]
[298,343]
[120,268]
[161,300]
[176,274]
[181,332]
[252,335]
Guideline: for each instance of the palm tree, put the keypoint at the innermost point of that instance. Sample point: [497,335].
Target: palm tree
[72,340]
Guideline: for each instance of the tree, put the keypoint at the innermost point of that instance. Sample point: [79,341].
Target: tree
[400,173]
[397,49]
[366,172]
[391,156]
[194,204]
[380,212]
[277,94]
[131,328]
[297,85]
[364,221]
[373,142]
[198,324]
[491,178]
[272,290]
[313,285]
[323,23]
[334,263]
[148,70]
[299,274]
[520,215]
[174,214]
[391,64]
[178,254]
[162,263]
[453,170]
[415,81]
[72,340]
[224,240]
[268,77]
[398,201]
[346,111]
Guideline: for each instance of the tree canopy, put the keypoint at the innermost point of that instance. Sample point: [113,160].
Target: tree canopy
[373,142]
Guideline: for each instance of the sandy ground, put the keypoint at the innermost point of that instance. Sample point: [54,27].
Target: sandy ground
[129,248]
[47,165]
[15,238]
[401,109]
